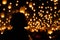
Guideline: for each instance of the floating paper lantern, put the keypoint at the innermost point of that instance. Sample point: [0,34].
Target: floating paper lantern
[2,15]
[22,9]
[30,5]
[4,2]
[9,7]
[55,0]
[50,31]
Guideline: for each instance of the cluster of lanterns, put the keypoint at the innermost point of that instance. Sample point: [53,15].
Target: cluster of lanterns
[41,20]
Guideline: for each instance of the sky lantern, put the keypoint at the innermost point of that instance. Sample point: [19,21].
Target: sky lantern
[55,0]
[22,9]
[4,2]
[9,6]
[50,31]
[2,15]
[30,5]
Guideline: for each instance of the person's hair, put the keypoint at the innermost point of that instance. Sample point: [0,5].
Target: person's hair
[18,19]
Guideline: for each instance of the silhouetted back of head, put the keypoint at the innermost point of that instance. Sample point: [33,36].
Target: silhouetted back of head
[18,20]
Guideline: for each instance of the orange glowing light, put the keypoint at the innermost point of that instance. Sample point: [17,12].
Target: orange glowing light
[50,31]
[2,15]
[4,2]
[22,9]
[9,7]
[30,5]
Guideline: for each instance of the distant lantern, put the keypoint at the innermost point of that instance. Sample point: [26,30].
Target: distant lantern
[30,5]
[9,7]
[27,2]
[10,27]
[50,31]
[51,0]
[3,27]
[50,37]
[2,32]
[4,9]
[2,15]
[4,2]
[22,9]
[55,0]
[16,4]
[0,20]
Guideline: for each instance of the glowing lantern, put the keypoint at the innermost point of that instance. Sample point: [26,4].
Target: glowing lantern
[10,27]
[4,9]
[0,20]
[50,31]
[30,5]
[2,32]
[2,15]
[32,30]
[51,0]
[4,2]
[55,0]
[9,7]
[3,28]
[50,37]
[16,4]
[22,9]
[27,2]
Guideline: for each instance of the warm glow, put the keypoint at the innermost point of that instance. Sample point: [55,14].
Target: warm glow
[4,9]
[4,2]
[50,37]
[16,4]
[0,20]
[10,27]
[40,16]
[3,28]
[9,7]
[22,9]
[34,4]
[17,1]
[55,7]
[10,3]
[50,31]
[32,30]
[4,24]
[41,7]
[2,32]
[51,0]
[27,2]
[2,15]
[55,0]
[30,5]
[9,10]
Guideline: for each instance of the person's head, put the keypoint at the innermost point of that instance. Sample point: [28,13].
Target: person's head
[18,20]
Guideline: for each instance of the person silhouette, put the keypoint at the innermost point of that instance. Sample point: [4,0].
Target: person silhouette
[18,21]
